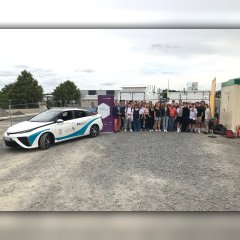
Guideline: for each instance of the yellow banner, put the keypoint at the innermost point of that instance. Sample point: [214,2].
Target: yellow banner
[212,97]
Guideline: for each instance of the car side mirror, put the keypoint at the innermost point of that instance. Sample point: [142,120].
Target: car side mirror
[60,121]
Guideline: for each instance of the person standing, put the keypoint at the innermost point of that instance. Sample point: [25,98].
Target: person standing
[136,118]
[147,117]
[179,117]
[129,117]
[200,111]
[92,108]
[123,107]
[116,116]
[203,116]
[185,117]
[157,117]
[141,112]
[192,118]
[151,116]
[172,117]
[207,118]
[165,116]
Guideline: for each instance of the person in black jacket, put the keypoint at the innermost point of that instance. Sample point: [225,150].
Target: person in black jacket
[185,117]
[123,107]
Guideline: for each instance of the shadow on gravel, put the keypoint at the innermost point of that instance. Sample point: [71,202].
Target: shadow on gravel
[21,149]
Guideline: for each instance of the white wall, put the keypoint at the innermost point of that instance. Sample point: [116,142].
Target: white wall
[229,110]
[193,96]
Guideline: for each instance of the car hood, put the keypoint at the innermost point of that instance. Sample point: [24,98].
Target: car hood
[26,125]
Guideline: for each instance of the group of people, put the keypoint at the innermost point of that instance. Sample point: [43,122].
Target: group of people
[170,116]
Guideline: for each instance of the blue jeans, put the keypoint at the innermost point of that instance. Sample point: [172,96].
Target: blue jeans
[171,123]
[136,124]
[165,122]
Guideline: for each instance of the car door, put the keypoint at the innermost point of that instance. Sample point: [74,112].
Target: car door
[80,121]
[65,130]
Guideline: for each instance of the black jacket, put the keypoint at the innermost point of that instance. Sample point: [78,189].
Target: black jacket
[165,113]
[185,113]
[115,111]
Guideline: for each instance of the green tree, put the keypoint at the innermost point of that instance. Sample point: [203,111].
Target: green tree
[66,91]
[6,91]
[164,93]
[25,88]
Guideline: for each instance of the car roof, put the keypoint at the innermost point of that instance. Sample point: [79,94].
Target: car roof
[68,109]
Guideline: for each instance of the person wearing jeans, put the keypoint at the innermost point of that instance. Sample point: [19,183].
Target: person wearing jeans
[129,117]
[172,117]
[165,116]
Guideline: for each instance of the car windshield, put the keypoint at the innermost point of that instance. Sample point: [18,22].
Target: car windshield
[47,116]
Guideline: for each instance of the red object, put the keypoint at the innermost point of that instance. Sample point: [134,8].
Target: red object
[230,134]
[238,130]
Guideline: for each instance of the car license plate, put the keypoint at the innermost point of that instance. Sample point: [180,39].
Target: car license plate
[8,139]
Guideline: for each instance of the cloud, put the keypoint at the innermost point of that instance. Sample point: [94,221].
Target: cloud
[85,70]
[21,66]
[109,84]
[8,74]
[166,48]
[42,73]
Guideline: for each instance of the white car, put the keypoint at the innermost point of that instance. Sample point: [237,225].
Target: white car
[52,126]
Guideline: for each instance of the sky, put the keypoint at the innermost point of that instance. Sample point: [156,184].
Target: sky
[111,58]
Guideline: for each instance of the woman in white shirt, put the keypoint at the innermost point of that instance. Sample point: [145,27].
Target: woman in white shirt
[192,118]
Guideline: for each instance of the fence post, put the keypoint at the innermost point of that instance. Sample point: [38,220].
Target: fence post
[9,108]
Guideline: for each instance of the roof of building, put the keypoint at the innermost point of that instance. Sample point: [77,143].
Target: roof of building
[134,86]
[235,81]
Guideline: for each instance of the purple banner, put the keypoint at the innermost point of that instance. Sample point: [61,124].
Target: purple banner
[105,107]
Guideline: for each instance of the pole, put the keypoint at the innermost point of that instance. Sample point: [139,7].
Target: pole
[10,114]
[168,88]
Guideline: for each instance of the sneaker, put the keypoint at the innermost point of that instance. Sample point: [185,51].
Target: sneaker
[159,130]
[125,130]
[131,130]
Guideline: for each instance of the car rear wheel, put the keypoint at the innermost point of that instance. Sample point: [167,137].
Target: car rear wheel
[45,141]
[94,131]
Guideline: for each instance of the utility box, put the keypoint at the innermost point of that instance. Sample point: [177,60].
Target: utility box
[230,100]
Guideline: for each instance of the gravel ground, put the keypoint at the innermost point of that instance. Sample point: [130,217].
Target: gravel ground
[124,171]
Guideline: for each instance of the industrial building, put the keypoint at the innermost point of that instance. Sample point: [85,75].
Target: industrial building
[88,96]
[139,93]
[190,96]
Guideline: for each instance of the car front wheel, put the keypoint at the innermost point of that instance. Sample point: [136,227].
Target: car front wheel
[94,131]
[45,141]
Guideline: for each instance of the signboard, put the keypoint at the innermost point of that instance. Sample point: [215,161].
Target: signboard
[105,107]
